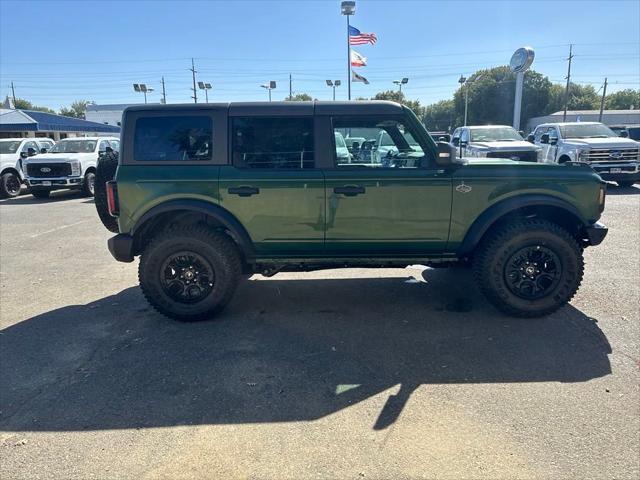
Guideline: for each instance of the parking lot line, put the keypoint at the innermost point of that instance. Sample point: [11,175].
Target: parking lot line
[58,228]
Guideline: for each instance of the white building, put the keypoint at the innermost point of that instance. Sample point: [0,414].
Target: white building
[106,114]
[609,117]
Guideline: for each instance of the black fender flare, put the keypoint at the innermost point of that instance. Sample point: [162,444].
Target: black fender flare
[224,217]
[504,207]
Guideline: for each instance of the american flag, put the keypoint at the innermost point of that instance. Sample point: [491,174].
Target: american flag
[358,38]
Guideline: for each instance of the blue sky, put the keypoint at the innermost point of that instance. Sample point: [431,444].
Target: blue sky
[56,52]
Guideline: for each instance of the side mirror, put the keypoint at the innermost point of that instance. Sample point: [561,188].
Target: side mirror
[355,145]
[544,138]
[43,150]
[23,155]
[624,134]
[31,152]
[463,143]
[531,138]
[553,140]
[446,154]
[456,141]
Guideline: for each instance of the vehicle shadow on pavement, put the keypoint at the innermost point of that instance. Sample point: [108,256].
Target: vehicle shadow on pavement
[283,350]
[623,190]
[55,196]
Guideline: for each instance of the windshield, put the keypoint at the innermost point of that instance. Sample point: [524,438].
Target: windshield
[340,141]
[586,131]
[9,147]
[507,134]
[74,146]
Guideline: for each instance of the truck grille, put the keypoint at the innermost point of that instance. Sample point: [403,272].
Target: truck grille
[613,155]
[35,170]
[525,156]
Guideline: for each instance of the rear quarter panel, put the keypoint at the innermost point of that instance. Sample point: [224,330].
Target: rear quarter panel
[492,183]
[142,187]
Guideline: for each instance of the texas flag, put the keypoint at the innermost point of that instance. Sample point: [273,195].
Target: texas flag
[358,60]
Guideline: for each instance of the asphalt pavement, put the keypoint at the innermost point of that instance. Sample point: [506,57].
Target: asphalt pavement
[356,373]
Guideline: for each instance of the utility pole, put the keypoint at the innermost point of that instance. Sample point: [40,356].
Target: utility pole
[290,88]
[193,74]
[13,94]
[604,93]
[566,92]
[164,94]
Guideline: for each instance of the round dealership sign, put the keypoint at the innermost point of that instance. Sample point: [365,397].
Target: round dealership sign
[522,59]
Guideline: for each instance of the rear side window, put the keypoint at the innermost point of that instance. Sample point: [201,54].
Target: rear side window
[273,142]
[173,138]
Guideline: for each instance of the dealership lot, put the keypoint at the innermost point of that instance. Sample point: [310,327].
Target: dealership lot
[352,373]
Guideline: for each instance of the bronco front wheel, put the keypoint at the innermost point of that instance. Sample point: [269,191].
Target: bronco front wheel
[189,274]
[529,268]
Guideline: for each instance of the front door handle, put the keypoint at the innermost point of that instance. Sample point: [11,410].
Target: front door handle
[244,191]
[349,190]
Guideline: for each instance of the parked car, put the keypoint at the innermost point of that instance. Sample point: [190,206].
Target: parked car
[342,152]
[70,164]
[205,193]
[494,141]
[615,158]
[627,131]
[13,151]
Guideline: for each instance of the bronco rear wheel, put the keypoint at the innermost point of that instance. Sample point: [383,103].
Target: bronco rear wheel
[529,268]
[189,274]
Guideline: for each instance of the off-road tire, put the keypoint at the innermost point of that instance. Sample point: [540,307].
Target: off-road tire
[8,185]
[40,192]
[89,184]
[626,183]
[492,256]
[215,247]
[105,172]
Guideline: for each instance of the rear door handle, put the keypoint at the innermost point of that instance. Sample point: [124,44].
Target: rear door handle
[244,191]
[349,190]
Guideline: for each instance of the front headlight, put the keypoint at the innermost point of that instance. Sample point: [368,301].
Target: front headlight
[583,155]
[75,168]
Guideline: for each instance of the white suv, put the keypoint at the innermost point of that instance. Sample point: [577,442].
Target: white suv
[615,158]
[71,163]
[13,151]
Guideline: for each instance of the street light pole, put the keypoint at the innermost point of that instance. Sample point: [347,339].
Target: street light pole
[333,84]
[401,82]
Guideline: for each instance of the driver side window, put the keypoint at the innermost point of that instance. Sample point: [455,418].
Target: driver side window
[376,143]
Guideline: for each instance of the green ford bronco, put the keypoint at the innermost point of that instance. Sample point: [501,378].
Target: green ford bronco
[205,194]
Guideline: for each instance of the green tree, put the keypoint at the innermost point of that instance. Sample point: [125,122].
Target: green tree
[623,100]
[581,97]
[22,104]
[399,97]
[440,116]
[491,96]
[299,97]
[77,109]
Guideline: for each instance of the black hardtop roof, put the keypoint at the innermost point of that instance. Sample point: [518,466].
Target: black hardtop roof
[359,107]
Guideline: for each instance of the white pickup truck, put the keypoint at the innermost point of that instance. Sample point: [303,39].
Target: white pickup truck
[13,151]
[70,164]
[615,158]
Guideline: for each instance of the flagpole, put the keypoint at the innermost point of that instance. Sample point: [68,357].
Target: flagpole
[348,61]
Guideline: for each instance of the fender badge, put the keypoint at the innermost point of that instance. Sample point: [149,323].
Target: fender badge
[462,188]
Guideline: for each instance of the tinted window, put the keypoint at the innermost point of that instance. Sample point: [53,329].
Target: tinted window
[376,143]
[278,142]
[175,138]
